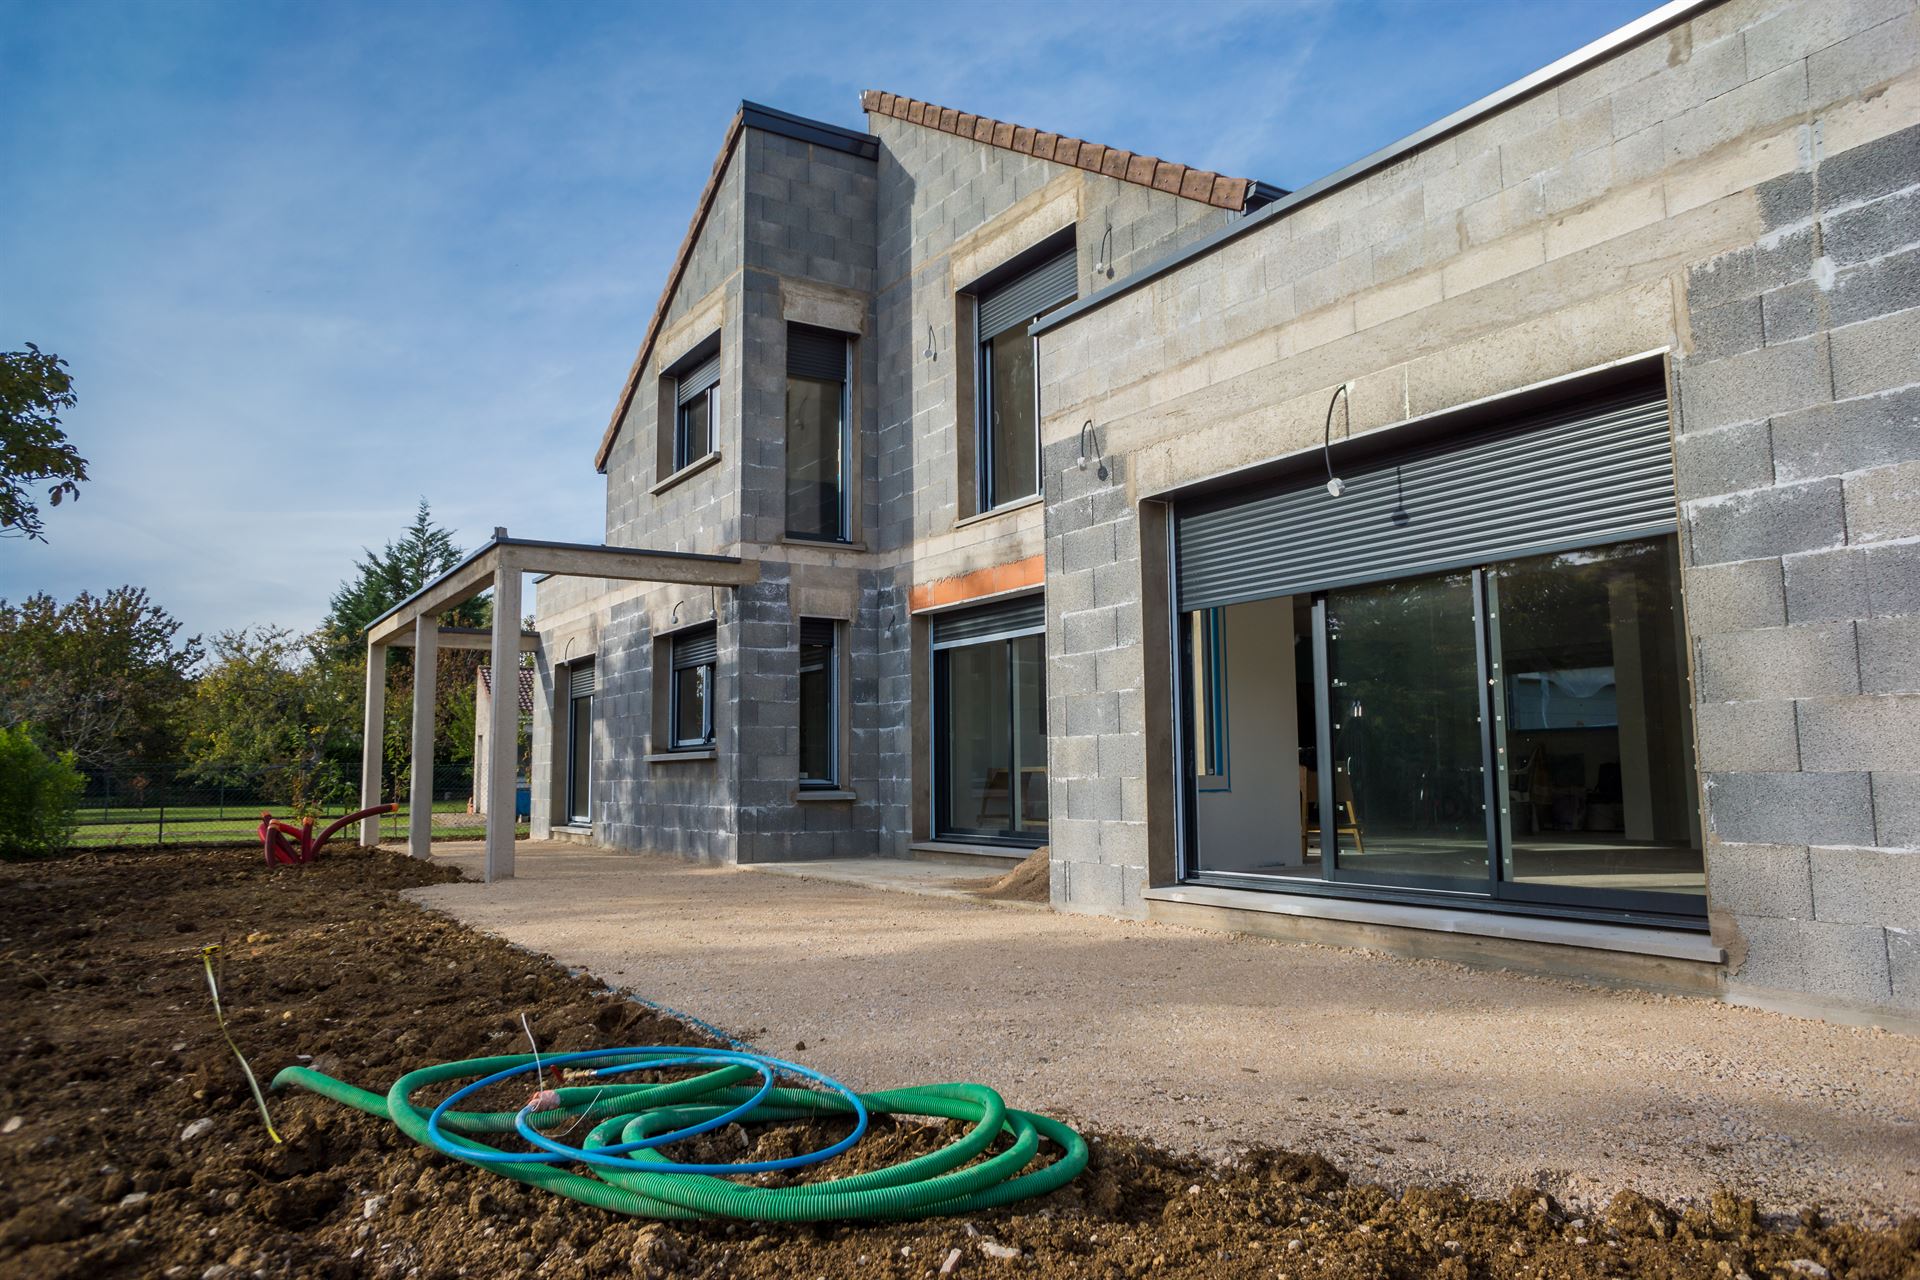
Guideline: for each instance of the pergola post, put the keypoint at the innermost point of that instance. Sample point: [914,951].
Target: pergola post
[373,741]
[426,664]
[503,720]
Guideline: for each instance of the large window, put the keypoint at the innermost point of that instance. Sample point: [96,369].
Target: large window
[819,704]
[990,725]
[1008,449]
[818,437]
[580,687]
[696,406]
[1518,730]
[691,689]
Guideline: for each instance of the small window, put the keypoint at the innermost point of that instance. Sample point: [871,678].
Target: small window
[819,704]
[1008,452]
[580,690]
[1209,641]
[697,402]
[692,693]
[817,433]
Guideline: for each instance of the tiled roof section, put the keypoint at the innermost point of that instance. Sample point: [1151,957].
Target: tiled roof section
[526,687]
[1148,171]
[679,269]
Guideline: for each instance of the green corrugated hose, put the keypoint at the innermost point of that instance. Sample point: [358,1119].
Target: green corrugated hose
[947,1181]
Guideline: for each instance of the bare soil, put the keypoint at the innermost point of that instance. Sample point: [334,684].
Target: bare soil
[1027,882]
[110,1057]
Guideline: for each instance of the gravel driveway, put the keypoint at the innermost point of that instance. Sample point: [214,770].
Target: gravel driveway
[1403,1071]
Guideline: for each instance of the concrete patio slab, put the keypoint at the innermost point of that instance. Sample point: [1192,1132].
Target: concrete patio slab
[1401,1070]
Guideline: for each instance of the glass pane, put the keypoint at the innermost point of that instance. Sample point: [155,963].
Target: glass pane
[816,713]
[1029,671]
[1409,792]
[580,758]
[696,428]
[1593,728]
[813,457]
[1013,471]
[978,743]
[690,715]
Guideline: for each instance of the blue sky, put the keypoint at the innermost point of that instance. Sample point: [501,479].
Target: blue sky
[310,262]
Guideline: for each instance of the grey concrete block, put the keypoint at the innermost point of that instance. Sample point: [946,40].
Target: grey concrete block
[1870,732]
[1710,463]
[1884,504]
[1873,230]
[1839,961]
[1896,810]
[1760,880]
[1850,435]
[1875,355]
[1750,271]
[1768,522]
[1867,886]
[1889,655]
[1747,737]
[1827,586]
[1893,579]
[1777,662]
[1754,385]
[1786,200]
[1095,886]
[1876,288]
[1728,329]
[1790,808]
[1903,962]
[1792,312]
[1734,597]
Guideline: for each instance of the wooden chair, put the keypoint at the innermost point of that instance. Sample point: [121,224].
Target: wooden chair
[1342,803]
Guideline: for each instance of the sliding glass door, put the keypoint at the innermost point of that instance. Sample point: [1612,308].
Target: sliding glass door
[990,739]
[1517,731]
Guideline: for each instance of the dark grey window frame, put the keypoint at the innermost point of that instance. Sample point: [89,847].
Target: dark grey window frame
[844,532]
[938,721]
[683,650]
[697,390]
[825,632]
[575,701]
[1049,251]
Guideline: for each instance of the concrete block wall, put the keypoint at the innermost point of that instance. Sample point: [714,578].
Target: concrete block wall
[1681,196]
[1799,470]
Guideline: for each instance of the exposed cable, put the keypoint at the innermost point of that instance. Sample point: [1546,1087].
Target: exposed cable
[1335,485]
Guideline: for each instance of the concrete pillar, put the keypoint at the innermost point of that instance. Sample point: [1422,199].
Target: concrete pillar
[426,668]
[373,740]
[503,728]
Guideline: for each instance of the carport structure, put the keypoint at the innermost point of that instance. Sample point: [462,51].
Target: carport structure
[415,623]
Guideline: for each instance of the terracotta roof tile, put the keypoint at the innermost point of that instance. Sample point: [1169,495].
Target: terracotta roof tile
[1148,171]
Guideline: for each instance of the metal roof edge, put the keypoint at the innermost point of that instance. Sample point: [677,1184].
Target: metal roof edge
[801,129]
[1667,15]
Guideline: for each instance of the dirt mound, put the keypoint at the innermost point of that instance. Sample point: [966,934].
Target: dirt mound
[1028,882]
[138,1152]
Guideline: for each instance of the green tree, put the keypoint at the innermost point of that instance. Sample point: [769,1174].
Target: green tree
[382,579]
[34,388]
[276,706]
[38,796]
[100,676]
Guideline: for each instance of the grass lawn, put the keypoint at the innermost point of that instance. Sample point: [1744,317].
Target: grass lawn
[237,822]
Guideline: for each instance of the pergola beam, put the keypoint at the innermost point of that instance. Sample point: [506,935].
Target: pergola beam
[469,638]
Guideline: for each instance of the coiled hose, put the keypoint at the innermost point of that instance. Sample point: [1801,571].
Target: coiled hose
[632,1121]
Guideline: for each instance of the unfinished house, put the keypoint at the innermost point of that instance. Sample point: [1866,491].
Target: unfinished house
[1506,548]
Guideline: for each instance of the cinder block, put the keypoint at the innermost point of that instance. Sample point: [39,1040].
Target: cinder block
[1827,586]
[1864,61]
[1750,271]
[1726,460]
[1903,960]
[1867,886]
[1870,732]
[1778,662]
[1747,737]
[1792,312]
[1760,880]
[1790,808]
[1889,655]
[1786,200]
[1754,385]
[1727,330]
[1094,886]
[1850,435]
[1768,522]
[1884,504]
[1839,961]
[1734,597]
[1876,354]
[1872,230]
[1893,579]
[1876,288]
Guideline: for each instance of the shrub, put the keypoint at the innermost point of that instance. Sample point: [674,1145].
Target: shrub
[39,794]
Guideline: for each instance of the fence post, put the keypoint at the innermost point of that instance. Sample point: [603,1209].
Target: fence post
[162,837]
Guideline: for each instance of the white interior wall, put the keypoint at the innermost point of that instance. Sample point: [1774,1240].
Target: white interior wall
[1254,824]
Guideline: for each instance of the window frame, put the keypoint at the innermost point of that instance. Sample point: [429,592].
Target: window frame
[832,728]
[676,739]
[985,495]
[844,528]
[940,747]
[683,419]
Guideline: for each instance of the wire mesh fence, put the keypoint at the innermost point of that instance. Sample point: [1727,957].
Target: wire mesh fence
[155,803]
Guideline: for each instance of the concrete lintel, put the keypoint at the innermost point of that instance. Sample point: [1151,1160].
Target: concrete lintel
[470,638]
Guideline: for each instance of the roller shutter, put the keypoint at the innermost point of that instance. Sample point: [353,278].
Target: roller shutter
[1600,473]
[695,648]
[580,680]
[1021,299]
[700,378]
[816,353]
[1021,615]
